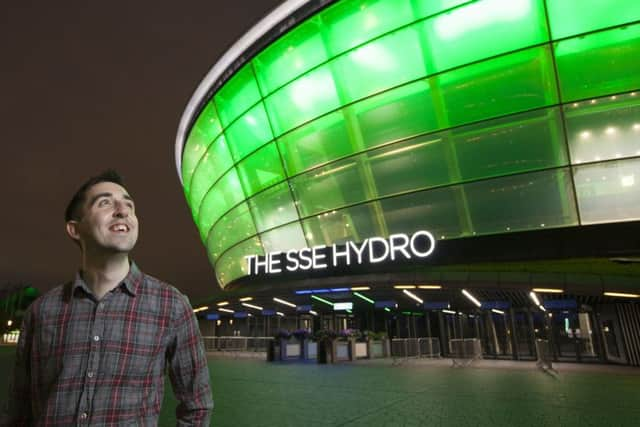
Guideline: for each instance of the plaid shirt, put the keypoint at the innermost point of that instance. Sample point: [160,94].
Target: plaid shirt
[101,363]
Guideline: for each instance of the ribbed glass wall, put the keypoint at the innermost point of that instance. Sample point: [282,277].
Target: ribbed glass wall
[464,118]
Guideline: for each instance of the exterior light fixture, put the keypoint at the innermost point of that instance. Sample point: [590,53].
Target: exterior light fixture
[9,322]
[313,312]
[621,295]
[199,309]
[404,287]
[471,298]
[245,299]
[281,301]
[449,311]
[226,310]
[222,303]
[387,309]
[429,287]
[256,307]
[412,295]
[361,288]
[359,295]
[548,290]
[495,310]
[279,313]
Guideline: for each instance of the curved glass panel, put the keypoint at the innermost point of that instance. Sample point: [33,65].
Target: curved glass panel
[284,238]
[232,264]
[203,132]
[604,128]
[273,207]
[261,170]
[599,64]
[224,195]
[249,132]
[233,227]
[571,17]
[237,95]
[213,165]
[608,192]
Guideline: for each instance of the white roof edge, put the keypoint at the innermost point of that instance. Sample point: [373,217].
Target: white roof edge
[245,42]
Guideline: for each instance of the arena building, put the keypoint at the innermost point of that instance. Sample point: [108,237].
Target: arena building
[447,168]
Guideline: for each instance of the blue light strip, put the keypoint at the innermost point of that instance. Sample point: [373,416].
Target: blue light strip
[321,291]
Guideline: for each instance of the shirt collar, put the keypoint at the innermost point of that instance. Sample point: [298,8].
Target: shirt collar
[131,282]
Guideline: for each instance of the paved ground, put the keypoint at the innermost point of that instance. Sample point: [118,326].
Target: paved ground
[251,392]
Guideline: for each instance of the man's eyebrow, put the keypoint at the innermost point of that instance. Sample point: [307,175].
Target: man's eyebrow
[99,195]
[128,197]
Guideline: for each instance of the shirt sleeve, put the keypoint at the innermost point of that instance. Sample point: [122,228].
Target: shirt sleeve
[188,369]
[17,411]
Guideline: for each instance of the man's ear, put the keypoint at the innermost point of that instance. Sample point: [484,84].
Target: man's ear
[72,230]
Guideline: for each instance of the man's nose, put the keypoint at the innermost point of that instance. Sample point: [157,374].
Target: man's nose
[121,210]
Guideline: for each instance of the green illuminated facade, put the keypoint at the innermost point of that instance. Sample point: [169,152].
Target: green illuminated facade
[465,118]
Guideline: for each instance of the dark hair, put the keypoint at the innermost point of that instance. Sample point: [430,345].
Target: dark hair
[73,208]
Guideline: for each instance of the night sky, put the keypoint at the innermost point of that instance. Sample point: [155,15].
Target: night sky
[87,86]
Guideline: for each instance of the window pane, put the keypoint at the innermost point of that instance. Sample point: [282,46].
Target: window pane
[284,238]
[356,223]
[604,128]
[482,29]
[273,207]
[608,191]
[237,95]
[351,23]
[330,187]
[439,211]
[424,8]
[292,55]
[397,114]
[233,227]
[570,17]
[521,202]
[232,264]
[260,170]
[224,195]
[302,100]
[517,82]
[315,143]
[204,130]
[599,64]
[249,132]
[380,64]
[523,142]
[214,164]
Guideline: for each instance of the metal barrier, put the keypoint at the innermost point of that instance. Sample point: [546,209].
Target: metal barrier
[464,351]
[544,356]
[403,349]
[429,347]
[237,345]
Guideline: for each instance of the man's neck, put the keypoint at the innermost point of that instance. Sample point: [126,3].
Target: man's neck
[104,273]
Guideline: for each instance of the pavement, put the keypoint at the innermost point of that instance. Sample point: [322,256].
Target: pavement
[248,391]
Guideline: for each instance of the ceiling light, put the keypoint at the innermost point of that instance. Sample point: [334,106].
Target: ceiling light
[322,300]
[548,290]
[471,297]
[256,307]
[279,313]
[412,295]
[220,304]
[495,310]
[621,295]
[449,311]
[534,298]
[361,288]
[281,301]
[246,299]
[429,287]
[359,295]
[313,312]
[203,308]
[404,287]
[226,310]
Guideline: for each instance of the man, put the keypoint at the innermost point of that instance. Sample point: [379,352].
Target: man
[94,351]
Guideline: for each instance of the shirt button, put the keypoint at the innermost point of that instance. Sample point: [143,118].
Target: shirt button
[83,416]
[90,374]
[100,306]
[96,338]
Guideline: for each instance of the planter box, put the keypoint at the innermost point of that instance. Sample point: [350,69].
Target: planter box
[290,349]
[309,350]
[342,351]
[361,350]
[378,349]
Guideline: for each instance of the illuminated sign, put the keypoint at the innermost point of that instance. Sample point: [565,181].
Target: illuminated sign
[342,306]
[373,250]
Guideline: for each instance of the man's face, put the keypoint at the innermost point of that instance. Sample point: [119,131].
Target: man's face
[108,220]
